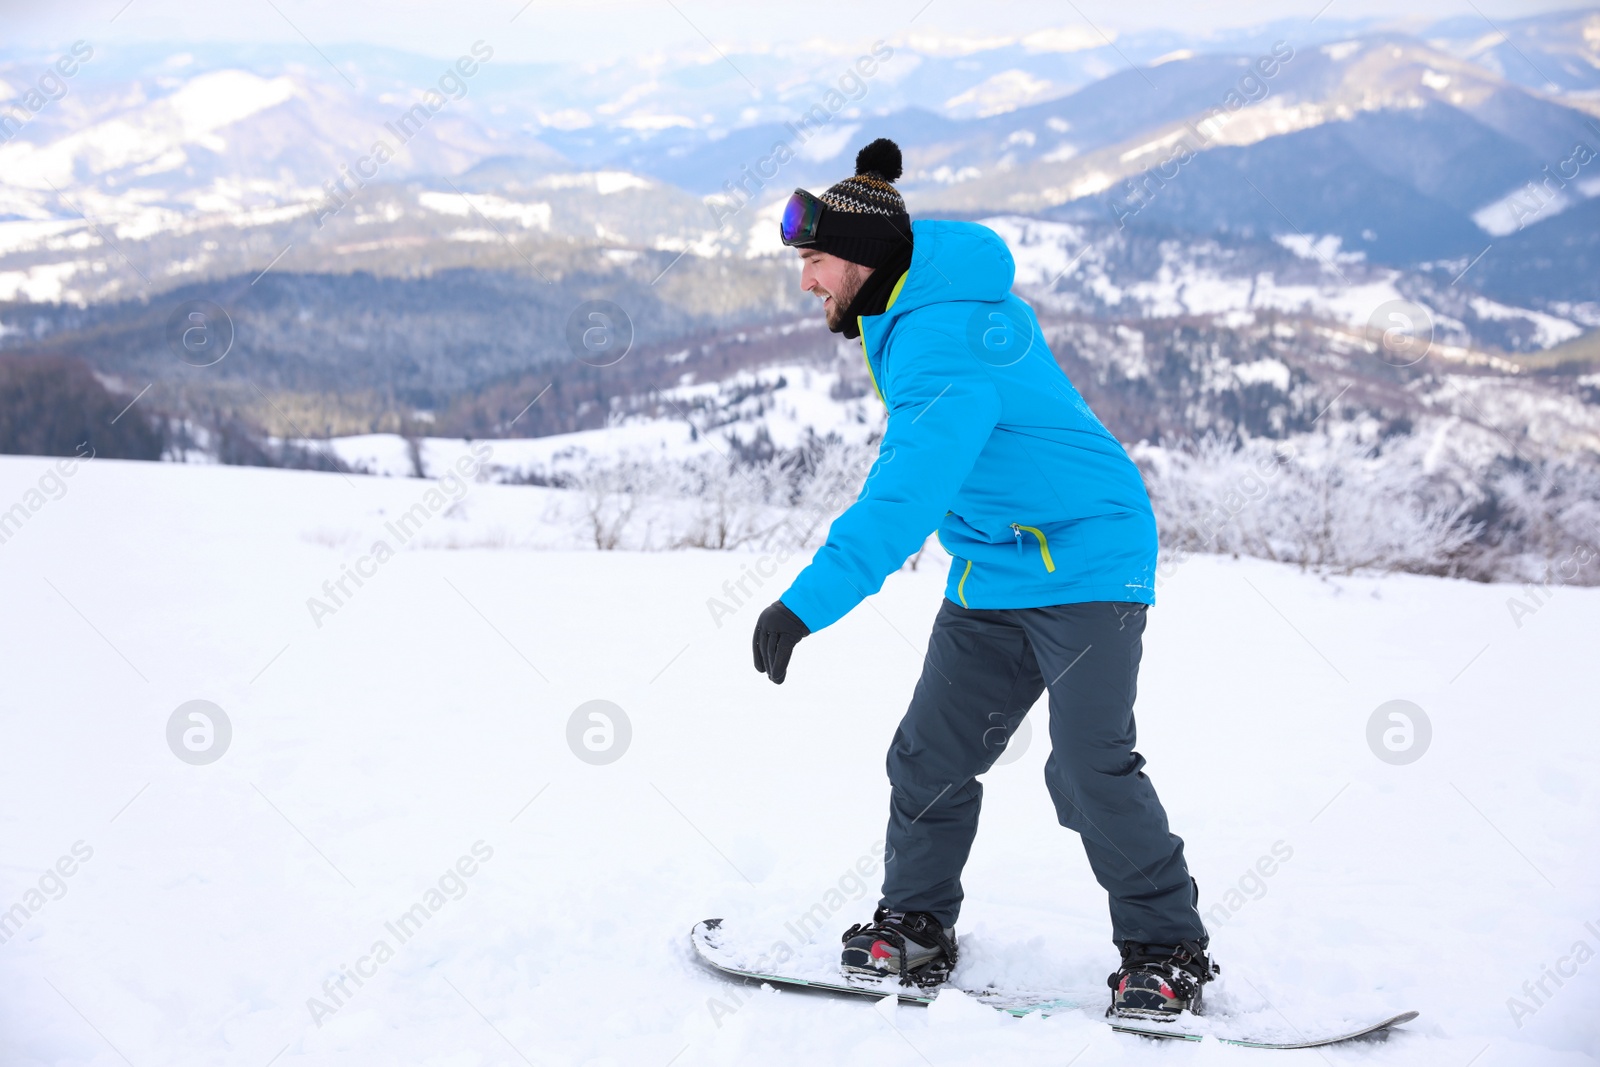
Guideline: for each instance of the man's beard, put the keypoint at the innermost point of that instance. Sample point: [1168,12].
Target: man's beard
[854,275]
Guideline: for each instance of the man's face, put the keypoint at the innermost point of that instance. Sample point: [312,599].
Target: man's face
[832,280]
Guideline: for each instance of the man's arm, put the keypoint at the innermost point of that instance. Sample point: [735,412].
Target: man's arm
[945,408]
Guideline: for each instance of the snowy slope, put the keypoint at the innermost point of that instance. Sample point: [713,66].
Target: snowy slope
[786,402]
[425,721]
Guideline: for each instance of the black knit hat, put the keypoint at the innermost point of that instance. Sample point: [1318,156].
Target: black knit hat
[866,221]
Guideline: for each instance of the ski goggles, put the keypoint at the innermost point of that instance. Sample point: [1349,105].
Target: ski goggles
[798,227]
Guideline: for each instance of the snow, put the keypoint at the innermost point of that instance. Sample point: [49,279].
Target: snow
[603,182]
[1548,329]
[1063,39]
[1041,250]
[1270,371]
[209,102]
[1150,147]
[801,405]
[762,236]
[1324,248]
[1351,304]
[567,118]
[387,454]
[999,93]
[933,44]
[529,216]
[1270,118]
[654,122]
[43,283]
[420,732]
[1195,280]
[1094,181]
[828,143]
[1521,207]
[193,115]
[22,235]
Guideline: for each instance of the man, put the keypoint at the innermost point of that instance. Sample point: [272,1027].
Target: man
[1054,550]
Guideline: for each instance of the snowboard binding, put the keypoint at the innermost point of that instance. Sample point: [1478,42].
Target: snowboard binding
[910,946]
[1159,982]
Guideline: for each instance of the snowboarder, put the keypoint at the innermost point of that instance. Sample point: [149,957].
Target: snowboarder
[1054,551]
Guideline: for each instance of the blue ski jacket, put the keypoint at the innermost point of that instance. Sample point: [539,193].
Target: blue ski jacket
[989,442]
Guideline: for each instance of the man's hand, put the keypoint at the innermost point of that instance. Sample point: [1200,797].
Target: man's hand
[777,632]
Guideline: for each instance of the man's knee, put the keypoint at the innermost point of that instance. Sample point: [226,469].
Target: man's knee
[1095,767]
[941,761]
[916,795]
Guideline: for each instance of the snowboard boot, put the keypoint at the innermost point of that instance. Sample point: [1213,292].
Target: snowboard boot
[1159,981]
[908,945]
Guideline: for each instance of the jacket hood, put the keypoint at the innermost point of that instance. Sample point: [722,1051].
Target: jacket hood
[954,261]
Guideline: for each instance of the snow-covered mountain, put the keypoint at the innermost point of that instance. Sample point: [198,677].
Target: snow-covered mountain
[1412,148]
[1095,269]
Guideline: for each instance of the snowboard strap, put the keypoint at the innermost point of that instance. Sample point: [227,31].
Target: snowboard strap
[883,928]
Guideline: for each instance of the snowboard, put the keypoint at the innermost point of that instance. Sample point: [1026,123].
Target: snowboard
[714,949]
[1166,1031]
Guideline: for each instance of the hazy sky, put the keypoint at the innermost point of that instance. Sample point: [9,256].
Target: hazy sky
[603,29]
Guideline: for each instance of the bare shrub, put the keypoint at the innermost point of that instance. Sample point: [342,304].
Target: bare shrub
[1329,502]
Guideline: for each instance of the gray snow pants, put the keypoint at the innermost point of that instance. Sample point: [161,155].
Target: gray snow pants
[983,671]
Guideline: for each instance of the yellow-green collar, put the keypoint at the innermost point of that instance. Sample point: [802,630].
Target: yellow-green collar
[894,294]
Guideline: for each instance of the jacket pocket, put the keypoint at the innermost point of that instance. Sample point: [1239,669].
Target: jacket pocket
[1044,544]
[961,586]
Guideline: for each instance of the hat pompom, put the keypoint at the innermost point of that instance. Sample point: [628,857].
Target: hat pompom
[881,157]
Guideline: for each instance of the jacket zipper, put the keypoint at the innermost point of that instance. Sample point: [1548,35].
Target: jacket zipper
[894,294]
[1017,530]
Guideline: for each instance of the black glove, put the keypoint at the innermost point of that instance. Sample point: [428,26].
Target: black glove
[777,632]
